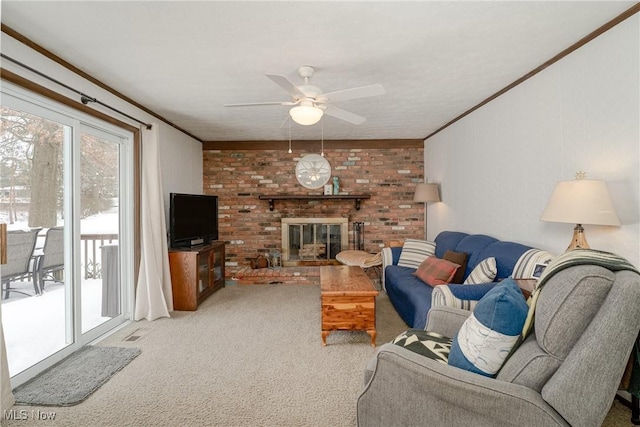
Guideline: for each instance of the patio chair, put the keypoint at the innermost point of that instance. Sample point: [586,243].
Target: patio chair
[20,247]
[51,259]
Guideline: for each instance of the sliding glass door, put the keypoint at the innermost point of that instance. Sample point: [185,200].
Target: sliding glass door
[63,178]
[32,182]
[99,227]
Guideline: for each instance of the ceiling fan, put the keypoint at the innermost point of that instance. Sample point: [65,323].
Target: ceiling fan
[310,104]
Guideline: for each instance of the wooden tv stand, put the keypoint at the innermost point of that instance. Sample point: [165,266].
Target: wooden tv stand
[196,273]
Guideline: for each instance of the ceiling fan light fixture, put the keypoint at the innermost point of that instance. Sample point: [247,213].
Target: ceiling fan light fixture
[306,115]
[309,103]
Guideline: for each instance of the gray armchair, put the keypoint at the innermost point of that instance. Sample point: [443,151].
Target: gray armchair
[566,372]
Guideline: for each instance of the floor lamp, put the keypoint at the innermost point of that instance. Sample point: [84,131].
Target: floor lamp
[426,193]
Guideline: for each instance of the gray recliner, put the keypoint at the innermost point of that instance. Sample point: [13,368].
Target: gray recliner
[566,372]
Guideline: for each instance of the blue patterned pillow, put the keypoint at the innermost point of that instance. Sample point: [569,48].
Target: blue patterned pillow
[488,335]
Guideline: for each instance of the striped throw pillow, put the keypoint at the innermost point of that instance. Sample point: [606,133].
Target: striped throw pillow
[484,272]
[527,263]
[415,251]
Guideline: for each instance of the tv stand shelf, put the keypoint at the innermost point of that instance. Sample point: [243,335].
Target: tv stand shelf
[196,273]
[273,197]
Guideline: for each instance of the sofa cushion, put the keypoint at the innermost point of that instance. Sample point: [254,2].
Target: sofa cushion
[488,335]
[484,272]
[506,255]
[474,244]
[409,295]
[415,251]
[396,251]
[448,241]
[459,258]
[435,271]
[428,344]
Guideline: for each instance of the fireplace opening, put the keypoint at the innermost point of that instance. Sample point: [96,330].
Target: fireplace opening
[313,239]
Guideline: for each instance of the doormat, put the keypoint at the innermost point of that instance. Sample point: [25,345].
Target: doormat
[74,378]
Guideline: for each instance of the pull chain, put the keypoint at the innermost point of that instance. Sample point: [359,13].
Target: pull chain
[322,138]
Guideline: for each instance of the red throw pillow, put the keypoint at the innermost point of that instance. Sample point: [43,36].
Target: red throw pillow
[435,271]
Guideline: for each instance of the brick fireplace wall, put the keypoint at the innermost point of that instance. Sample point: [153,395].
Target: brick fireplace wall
[238,177]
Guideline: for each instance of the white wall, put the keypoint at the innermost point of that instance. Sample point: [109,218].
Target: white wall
[181,159]
[181,155]
[498,166]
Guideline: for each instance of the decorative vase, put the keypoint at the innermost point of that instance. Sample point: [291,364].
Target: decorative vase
[336,186]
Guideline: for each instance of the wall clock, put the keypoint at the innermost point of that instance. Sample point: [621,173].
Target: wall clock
[313,171]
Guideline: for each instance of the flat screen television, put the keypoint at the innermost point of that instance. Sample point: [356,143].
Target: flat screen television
[193,219]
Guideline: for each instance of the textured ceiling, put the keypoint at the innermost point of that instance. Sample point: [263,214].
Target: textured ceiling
[184,60]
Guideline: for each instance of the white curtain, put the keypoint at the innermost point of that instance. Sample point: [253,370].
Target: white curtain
[6,397]
[154,298]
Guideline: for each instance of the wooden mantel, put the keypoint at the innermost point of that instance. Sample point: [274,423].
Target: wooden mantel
[273,197]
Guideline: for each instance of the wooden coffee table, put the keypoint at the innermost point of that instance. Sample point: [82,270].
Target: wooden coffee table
[348,300]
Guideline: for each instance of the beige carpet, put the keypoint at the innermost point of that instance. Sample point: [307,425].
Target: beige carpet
[250,356]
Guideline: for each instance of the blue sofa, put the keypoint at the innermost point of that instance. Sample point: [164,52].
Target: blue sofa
[411,297]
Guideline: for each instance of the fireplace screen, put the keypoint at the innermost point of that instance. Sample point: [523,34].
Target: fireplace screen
[313,239]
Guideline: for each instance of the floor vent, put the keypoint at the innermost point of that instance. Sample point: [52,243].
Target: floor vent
[136,335]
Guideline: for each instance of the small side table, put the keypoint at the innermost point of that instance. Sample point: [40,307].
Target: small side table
[526,286]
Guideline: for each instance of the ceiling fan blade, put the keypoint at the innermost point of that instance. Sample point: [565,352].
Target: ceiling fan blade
[256,104]
[345,115]
[355,93]
[284,83]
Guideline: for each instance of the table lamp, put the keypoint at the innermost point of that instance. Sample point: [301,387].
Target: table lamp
[582,201]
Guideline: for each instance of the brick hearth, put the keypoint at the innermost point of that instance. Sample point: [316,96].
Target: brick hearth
[298,275]
[281,276]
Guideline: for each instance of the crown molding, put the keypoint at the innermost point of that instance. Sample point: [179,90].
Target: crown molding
[313,145]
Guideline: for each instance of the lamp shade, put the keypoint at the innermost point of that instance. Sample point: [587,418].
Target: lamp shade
[583,201]
[306,114]
[426,193]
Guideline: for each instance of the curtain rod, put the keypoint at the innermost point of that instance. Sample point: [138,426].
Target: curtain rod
[84,98]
